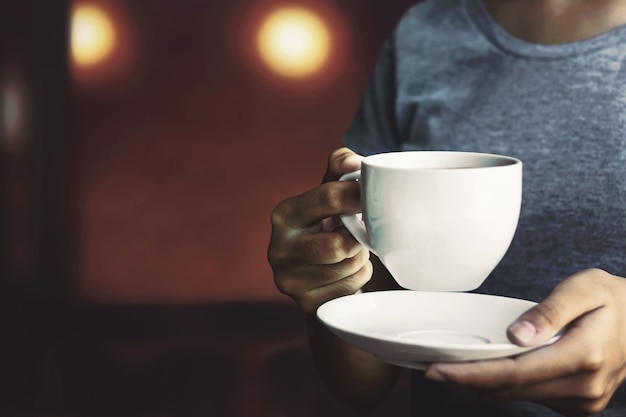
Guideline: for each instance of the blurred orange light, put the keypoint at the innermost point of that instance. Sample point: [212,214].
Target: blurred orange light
[92,35]
[294,42]
[13,107]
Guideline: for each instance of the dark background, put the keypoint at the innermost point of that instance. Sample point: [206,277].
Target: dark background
[135,209]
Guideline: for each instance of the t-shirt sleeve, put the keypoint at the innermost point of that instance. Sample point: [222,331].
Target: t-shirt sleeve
[373,128]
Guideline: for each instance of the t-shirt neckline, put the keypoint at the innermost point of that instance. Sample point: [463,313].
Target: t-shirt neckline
[508,43]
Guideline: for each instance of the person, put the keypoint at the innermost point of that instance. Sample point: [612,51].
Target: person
[540,80]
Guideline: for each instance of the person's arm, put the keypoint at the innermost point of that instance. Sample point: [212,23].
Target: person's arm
[314,260]
[356,377]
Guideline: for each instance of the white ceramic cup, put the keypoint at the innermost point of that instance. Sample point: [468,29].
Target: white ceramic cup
[438,221]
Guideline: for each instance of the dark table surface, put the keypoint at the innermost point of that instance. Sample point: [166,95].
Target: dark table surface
[239,359]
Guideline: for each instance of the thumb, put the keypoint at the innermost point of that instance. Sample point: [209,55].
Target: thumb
[341,161]
[569,300]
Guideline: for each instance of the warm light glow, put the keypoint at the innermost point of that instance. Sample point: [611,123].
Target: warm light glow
[294,42]
[92,35]
[13,115]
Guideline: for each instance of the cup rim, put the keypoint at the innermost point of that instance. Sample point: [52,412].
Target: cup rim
[462,161]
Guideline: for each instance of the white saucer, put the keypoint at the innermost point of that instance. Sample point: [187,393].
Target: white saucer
[415,328]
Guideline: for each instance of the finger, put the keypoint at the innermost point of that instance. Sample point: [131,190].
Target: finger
[297,281]
[341,161]
[571,354]
[577,295]
[324,248]
[570,395]
[328,274]
[345,286]
[539,365]
[308,209]
[310,277]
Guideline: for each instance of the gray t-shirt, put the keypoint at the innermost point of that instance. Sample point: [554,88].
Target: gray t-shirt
[449,78]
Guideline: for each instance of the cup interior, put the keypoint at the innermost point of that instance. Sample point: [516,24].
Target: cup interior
[435,160]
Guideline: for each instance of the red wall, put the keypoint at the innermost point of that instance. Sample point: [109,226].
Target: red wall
[180,159]
[155,184]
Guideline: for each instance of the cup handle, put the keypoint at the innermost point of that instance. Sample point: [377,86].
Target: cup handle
[354,222]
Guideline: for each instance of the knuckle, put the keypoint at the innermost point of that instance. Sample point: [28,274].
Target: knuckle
[353,268]
[336,247]
[344,268]
[336,153]
[332,199]
[273,257]
[594,361]
[276,217]
[352,283]
[547,315]
[358,280]
[362,276]
[277,256]
[289,286]
[358,261]
[596,272]
[336,156]
[593,391]
[282,285]
[593,277]
[279,213]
